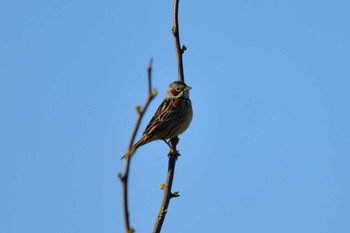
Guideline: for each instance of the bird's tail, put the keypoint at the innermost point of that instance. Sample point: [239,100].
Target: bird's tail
[134,148]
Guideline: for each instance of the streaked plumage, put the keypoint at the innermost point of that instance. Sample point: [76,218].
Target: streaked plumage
[172,118]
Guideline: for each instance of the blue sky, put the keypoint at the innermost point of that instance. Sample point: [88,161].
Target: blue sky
[268,148]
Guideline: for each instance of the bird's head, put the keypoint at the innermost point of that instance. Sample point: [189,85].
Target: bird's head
[177,90]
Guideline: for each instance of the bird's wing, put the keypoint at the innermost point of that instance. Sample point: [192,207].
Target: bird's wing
[168,111]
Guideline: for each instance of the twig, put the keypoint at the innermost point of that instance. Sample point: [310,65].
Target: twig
[124,177]
[176,33]
[173,154]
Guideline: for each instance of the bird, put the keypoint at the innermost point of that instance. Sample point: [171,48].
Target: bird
[171,119]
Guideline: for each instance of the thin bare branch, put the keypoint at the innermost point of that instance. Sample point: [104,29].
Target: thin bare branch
[176,33]
[124,178]
[173,154]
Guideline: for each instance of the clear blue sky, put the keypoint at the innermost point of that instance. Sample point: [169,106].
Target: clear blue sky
[268,148]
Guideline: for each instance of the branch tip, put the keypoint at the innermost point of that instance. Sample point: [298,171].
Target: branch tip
[149,67]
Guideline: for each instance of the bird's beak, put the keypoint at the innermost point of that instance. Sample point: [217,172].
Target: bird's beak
[187,88]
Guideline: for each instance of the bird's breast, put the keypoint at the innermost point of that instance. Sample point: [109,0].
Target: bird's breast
[176,102]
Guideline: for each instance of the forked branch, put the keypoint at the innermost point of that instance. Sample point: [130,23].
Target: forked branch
[124,177]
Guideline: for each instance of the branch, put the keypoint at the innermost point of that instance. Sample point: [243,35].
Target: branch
[124,178]
[173,154]
[176,33]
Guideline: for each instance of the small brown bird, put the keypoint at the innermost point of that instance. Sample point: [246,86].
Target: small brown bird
[172,117]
